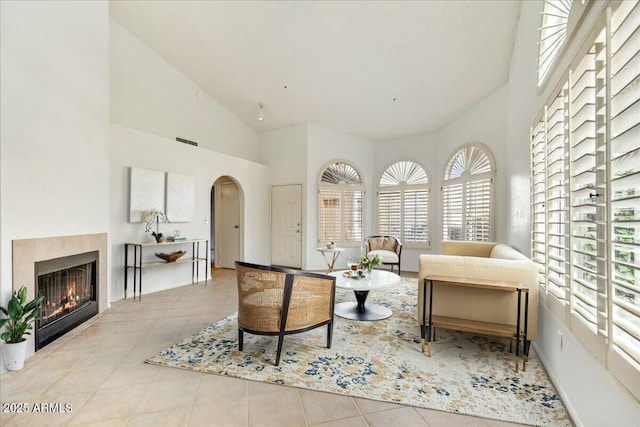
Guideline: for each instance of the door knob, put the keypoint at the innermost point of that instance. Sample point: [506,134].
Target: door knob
[236,226]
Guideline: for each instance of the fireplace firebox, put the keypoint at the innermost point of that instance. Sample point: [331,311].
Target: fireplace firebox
[69,286]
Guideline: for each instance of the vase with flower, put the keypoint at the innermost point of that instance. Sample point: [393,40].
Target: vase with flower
[368,262]
[151,217]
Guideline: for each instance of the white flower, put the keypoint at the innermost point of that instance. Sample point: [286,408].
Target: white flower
[368,262]
[151,217]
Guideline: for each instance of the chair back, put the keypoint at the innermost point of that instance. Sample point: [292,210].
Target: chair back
[389,243]
[270,297]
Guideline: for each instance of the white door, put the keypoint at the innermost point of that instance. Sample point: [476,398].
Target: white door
[286,226]
[229,251]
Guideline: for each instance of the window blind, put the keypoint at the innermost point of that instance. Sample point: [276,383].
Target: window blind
[340,204]
[556,180]
[352,216]
[330,213]
[478,210]
[403,203]
[467,193]
[598,259]
[538,201]
[389,213]
[416,216]
[584,190]
[452,212]
[624,176]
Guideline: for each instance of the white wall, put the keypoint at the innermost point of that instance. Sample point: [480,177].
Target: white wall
[143,136]
[54,123]
[285,151]
[154,97]
[592,395]
[144,150]
[484,123]
[297,155]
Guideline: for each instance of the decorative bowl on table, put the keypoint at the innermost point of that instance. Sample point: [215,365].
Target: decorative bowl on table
[171,257]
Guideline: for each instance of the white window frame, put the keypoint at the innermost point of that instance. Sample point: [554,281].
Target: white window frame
[466,181]
[341,190]
[400,189]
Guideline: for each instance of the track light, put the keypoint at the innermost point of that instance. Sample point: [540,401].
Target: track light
[260,112]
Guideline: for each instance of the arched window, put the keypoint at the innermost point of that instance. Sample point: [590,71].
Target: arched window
[403,203]
[553,33]
[467,193]
[340,210]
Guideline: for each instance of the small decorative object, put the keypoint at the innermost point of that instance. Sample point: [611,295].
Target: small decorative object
[367,263]
[353,262]
[154,216]
[331,245]
[18,322]
[171,257]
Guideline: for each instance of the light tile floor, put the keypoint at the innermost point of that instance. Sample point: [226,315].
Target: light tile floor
[97,377]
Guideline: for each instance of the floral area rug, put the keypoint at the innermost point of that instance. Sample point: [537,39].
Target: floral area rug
[382,360]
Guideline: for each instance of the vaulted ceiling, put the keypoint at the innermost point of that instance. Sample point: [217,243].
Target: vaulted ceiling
[373,69]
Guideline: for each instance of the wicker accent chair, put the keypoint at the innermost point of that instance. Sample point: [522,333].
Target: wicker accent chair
[280,301]
[389,248]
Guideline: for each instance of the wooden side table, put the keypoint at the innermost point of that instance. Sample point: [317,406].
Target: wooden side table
[487,328]
[330,259]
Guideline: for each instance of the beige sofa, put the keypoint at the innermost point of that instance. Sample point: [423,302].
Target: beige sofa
[480,260]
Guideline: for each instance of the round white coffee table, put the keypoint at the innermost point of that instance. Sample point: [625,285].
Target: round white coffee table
[378,279]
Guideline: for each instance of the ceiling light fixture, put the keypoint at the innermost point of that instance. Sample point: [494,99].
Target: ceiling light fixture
[260,112]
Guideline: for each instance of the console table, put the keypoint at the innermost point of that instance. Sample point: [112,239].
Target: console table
[498,329]
[137,266]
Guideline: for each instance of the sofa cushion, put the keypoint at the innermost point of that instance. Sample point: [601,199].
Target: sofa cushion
[503,251]
[463,248]
[385,256]
[382,243]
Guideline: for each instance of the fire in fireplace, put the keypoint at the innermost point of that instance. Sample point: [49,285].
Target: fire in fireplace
[69,285]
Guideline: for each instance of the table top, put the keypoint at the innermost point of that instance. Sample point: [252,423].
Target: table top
[325,249]
[497,285]
[165,242]
[378,279]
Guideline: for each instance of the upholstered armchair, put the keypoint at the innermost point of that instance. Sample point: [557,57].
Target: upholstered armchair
[388,248]
[279,301]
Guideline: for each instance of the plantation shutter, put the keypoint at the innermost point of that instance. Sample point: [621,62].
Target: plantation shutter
[403,204]
[352,216]
[556,180]
[416,216]
[452,212]
[596,266]
[585,190]
[538,202]
[466,196]
[389,213]
[625,188]
[478,210]
[340,205]
[330,214]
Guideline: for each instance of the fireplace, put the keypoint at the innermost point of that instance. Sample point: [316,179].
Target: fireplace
[27,253]
[69,286]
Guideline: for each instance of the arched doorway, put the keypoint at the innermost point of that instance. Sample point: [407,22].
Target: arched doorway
[226,211]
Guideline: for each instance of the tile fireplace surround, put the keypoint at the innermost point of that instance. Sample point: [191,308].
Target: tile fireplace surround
[27,252]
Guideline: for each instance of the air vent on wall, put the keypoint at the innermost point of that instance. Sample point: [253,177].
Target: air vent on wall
[186,141]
